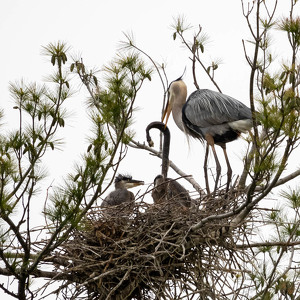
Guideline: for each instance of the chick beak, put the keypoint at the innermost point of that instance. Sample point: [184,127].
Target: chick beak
[134,183]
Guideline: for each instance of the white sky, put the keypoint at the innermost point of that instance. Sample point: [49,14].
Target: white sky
[94,28]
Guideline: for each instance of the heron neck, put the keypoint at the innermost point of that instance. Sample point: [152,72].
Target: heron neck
[165,153]
[177,116]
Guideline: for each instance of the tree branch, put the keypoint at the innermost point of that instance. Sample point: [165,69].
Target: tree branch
[189,178]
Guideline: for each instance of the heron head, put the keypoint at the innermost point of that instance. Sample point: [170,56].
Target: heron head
[126,181]
[158,180]
[177,93]
[159,185]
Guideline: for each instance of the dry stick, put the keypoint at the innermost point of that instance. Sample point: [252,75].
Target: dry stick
[98,277]
[190,179]
[268,244]
[194,58]
[119,284]
[161,240]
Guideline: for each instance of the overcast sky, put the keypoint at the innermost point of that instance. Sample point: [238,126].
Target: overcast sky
[94,29]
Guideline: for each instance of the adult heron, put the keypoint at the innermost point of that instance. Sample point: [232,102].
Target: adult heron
[167,190]
[210,116]
[121,195]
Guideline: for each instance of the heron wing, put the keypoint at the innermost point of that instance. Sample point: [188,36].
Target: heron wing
[205,108]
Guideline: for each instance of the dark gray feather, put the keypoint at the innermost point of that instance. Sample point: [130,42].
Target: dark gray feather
[205,108]
[209,112]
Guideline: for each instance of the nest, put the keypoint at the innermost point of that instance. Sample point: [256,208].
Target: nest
[150,252]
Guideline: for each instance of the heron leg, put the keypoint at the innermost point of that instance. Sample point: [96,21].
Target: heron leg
[210,141]
[205,169]
[229,170]
[218,168]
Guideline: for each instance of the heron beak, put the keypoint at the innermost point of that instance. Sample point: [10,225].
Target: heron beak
[166,113]
[134,183]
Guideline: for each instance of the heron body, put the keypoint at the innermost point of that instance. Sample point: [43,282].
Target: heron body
[167,190]
[210,116]
[211,113]
[121,195]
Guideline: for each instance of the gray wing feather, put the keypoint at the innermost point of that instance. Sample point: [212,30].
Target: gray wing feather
[205,108]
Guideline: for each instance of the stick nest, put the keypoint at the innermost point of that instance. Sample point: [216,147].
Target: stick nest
[151,252]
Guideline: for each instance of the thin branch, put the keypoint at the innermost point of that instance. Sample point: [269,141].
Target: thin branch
[187,177]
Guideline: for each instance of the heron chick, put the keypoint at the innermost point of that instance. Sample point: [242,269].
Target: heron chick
[210,116]
[167,190]
[121,195]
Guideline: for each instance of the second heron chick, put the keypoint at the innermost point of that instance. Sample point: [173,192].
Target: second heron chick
[167,190]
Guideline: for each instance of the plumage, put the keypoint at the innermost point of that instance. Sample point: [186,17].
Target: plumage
[167,190]
[118,197]
[209,112]
[208,115]
[206,108]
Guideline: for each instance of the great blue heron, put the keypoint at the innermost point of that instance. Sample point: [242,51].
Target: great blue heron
[167,190]
[121,195]
[210,116]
